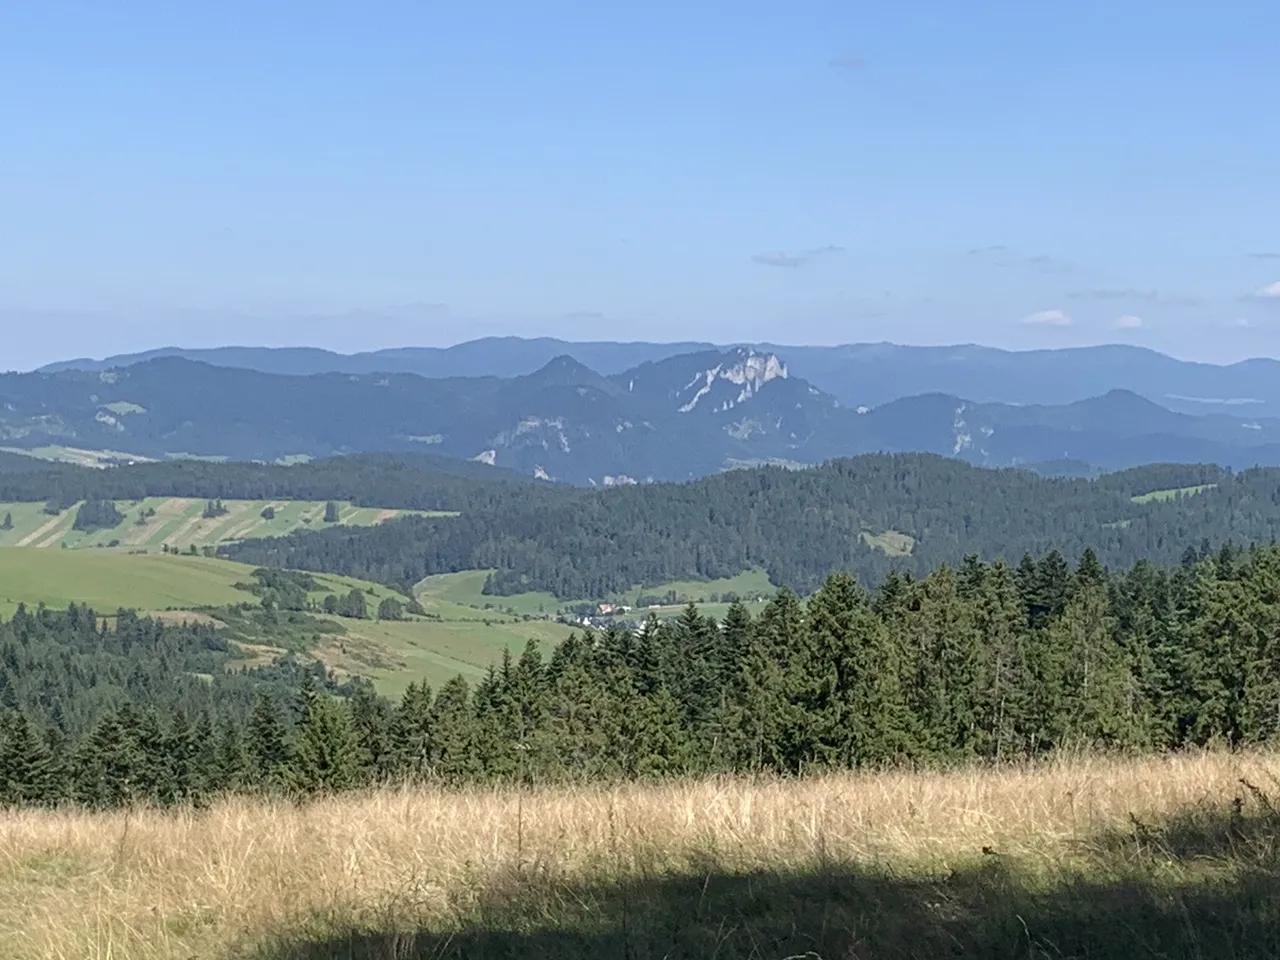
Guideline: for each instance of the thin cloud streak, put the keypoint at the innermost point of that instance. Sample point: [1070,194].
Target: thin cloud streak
[1154,297]
[847,61]
[779,258]
[1048,318]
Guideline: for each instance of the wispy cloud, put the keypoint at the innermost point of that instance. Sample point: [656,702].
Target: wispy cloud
[1048,318]
[1264,255]
[1268,296]
[1242,323]
[778,258]
[999,255]
[847,61]
[1129,322]
[1154,297]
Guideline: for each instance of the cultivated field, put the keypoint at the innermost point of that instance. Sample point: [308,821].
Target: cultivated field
[177,522]
[1086,859]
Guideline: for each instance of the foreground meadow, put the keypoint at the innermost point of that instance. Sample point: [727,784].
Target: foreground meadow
[1174,857]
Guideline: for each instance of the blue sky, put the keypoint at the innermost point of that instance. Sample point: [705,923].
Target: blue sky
[356,175]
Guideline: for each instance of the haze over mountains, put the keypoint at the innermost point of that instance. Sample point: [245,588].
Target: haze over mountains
[856,374]
[607,413]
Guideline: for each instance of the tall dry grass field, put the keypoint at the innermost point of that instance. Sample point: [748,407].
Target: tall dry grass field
[990,863]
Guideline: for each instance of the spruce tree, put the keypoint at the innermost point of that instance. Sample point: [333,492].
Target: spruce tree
[412,746]
[267,748]
[942,647]
[852,692]
[24,762]
[1004,682]
[454,737]
[232,767]
[371,725]
[326,754]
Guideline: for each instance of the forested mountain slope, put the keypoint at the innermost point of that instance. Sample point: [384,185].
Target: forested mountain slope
[856,374]
[670,418]
[798,526]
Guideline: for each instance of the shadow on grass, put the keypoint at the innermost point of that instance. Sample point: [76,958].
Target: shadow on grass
[1206,885]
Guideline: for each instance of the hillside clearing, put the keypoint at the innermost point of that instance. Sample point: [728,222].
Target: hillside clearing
[179,522]
[1160,496]
[892,542]
[466,589]
[1096,859]
[396,653]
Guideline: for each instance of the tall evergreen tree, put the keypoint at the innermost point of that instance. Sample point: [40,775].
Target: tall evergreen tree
[326,754]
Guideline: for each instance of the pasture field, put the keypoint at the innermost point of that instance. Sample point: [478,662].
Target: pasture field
[110,581]
[1085,858]
[177,522]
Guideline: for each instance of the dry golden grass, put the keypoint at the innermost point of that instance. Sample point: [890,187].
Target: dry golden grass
[152,885]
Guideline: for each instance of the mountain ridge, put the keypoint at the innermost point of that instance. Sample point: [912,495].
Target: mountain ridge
[672,418]
[858,374]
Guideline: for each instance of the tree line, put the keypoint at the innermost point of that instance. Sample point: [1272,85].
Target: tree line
[977,662]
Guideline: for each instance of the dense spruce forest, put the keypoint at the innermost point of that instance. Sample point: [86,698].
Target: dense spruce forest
[797,525]
[982,662]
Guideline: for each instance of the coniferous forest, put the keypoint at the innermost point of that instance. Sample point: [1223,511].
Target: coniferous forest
[977,662]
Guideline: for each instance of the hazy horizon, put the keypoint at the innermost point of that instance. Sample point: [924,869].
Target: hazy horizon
[776,343]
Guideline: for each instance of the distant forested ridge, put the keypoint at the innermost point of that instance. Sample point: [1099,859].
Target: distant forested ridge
[797,525]
[978,662]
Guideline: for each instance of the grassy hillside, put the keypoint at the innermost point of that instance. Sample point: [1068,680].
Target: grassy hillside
[466,590]
[396,653]
[453,639]
[1091,859]
[177,522]
[110,581]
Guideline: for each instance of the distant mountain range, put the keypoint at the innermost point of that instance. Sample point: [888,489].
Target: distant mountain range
[860,374]
[667,417]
